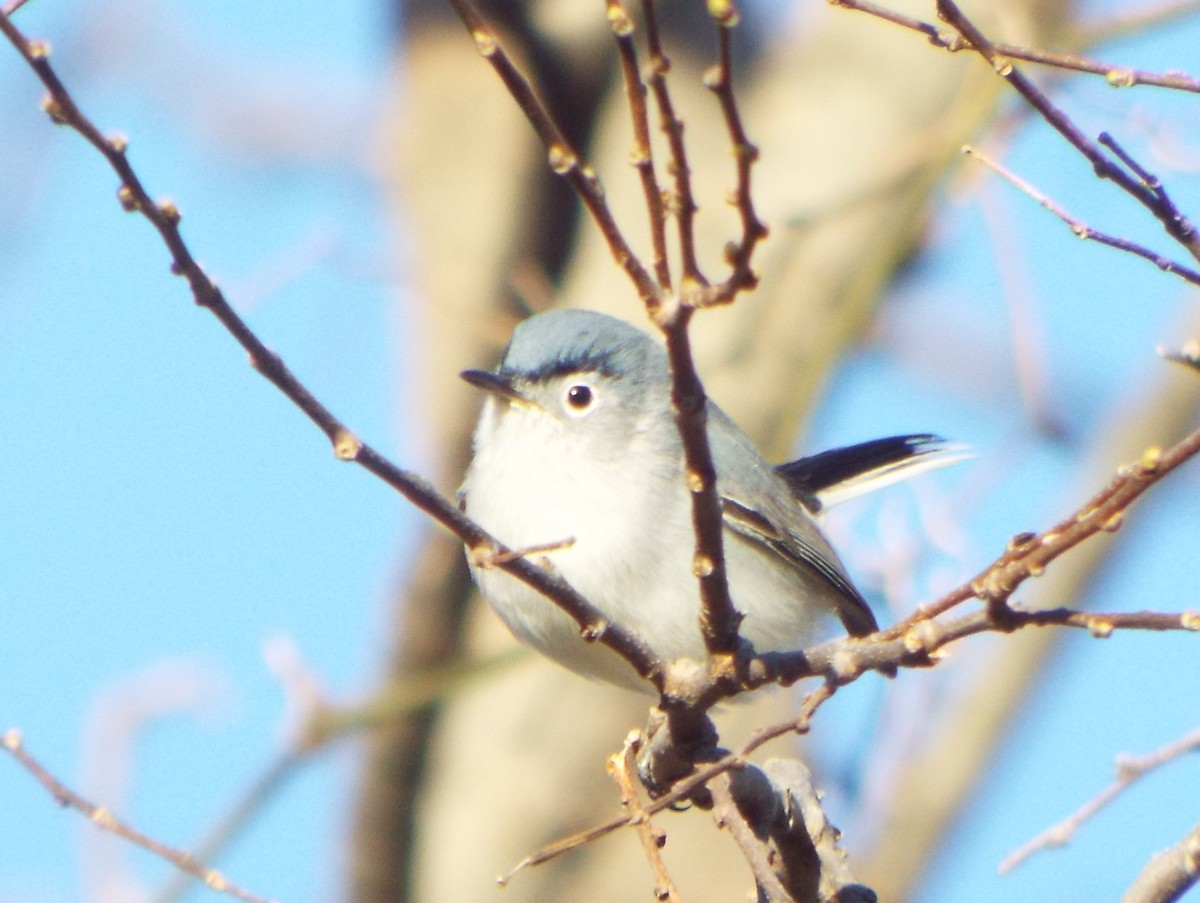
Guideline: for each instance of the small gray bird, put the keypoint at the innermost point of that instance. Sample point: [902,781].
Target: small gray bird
[577,445]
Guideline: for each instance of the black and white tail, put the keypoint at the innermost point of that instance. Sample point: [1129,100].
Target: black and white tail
[831,477]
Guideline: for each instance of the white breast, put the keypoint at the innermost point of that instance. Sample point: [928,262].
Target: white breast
[529,484]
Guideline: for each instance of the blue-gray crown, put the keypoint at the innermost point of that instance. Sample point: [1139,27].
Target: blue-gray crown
[573,341]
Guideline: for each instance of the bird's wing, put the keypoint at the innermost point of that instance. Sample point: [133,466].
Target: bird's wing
[758,505]
[811,553]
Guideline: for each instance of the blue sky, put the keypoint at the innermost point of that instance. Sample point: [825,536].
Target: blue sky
[161,502]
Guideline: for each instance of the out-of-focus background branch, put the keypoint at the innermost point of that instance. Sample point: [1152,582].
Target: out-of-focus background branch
[881,310]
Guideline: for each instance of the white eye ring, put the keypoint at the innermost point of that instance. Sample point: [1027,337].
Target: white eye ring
[579,399]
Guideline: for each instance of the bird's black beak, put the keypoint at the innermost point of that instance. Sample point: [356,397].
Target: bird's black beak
[496,384]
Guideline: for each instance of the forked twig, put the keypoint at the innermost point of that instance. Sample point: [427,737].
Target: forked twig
[1117,76]
[106,821]
[621,767]
[683,204]
[685,788]
[753,841]
[1028,553]
[1129,769]
[165,217]
[719,80]
[670,312]
[564,160]
[842,661]
[1153,199]
[643,154]
[1081,229]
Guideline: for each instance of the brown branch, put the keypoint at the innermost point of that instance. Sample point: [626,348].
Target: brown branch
[719,620]
[643,155]
[685,788]
[1129,769]
[1117,76]
[621,767]
[760,853]
[774,813]
[564,160]
[719,80]
[1081,229]
[683,203]
[106,821]
[1029,553]
[1150,196]
[1169,874]
[845,660]
[164,216]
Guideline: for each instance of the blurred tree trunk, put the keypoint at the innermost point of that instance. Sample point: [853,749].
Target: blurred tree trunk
[857,123]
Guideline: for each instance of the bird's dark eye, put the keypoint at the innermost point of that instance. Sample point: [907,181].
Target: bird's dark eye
[580,397]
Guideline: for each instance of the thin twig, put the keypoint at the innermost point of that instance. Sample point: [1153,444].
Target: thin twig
[1081,229]
[844,660]
[1117,76]
[564,160]
[719,80]
[1028,553]
[621,767]
[719,620]
[487,558]
[106,821]
[1129,769]
[683,202]
[1153,200]
[685,788]
[643,155]
[165,217]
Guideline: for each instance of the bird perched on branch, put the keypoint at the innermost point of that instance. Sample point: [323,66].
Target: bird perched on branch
[577,453]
